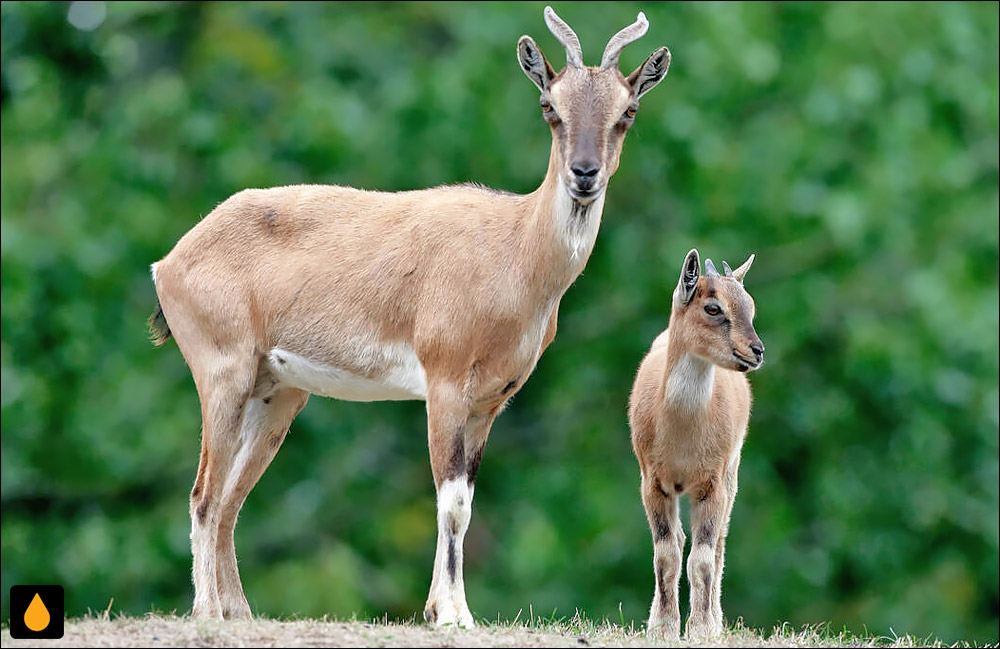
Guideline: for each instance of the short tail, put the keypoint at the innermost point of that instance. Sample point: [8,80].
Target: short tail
[159,331]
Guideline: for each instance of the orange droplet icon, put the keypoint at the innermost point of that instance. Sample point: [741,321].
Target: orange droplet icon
[36,617]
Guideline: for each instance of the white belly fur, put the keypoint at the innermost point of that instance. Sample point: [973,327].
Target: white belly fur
[402,377]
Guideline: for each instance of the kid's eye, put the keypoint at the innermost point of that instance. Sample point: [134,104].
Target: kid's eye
[630,112]
[546,107]
[712,309]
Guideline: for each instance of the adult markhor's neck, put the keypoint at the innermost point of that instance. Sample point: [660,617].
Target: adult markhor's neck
[564,228]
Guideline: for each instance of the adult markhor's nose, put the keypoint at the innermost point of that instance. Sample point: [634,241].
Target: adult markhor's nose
[585,173]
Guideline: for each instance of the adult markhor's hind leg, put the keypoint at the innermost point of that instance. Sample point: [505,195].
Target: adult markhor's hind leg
[265,424]
[223,399]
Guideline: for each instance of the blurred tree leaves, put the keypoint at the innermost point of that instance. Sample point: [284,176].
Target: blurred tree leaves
[852,146]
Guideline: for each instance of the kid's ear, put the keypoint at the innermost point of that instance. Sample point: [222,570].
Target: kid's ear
[690,272]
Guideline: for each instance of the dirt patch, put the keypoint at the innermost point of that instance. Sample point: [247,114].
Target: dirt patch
[172,631]
[186,632]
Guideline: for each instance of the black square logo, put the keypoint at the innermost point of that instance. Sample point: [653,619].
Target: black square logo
[36,612]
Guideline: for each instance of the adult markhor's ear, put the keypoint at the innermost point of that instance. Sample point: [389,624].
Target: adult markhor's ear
[534,63]
[645,77]
[690,272]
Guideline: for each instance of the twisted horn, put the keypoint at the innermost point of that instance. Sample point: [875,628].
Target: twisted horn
[618,42]
[565,35]
[710,269]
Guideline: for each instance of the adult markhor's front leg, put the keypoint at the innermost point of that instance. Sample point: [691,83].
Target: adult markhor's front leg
[456,440]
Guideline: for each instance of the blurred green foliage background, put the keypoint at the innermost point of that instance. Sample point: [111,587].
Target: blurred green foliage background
[852,146]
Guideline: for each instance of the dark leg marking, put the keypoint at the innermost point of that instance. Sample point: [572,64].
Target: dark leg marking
[201,511]
[456,464]
[430,613]
[661,584]
[452,568]
[662,526]
[706,534]
[706,579]
[472,469]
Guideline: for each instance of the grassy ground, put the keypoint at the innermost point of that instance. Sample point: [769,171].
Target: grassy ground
[172,631]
